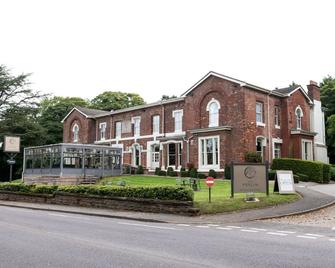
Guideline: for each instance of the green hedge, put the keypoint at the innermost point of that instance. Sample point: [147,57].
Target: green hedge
[162,193]
[312,170]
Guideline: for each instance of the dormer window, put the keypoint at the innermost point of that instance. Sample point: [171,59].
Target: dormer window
[102,130]
[213,108]
[75,131]
[298,115]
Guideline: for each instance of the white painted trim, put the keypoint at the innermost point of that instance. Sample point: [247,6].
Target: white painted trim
[100,127]
[303,149]
[71,112]
[260,124]
[277,127]
[263,138]
[177,111]
[303,92]
[210,102]
[274,141]
[205,167]
[159,124]
[174,134]
[75,125]
[277,140]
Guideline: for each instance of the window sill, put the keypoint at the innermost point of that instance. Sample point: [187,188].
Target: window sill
[260,124]
[277,127]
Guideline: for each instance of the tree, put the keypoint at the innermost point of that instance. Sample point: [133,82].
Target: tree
[327,87]
[52,111]
[15,91]
[167,97]
[114,100]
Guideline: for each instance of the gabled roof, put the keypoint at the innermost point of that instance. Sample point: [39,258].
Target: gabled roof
[234,80]
[87,112]
[288,91]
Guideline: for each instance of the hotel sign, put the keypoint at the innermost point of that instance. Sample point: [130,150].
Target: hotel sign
[249,178]
[11,144]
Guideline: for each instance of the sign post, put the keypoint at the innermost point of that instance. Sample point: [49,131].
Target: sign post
[210,183]
[12,147]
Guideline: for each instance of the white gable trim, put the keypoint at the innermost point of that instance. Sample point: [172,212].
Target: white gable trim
[303,92]
[71,113]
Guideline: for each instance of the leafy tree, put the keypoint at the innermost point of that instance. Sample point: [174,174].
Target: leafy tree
[114,100]
[15,91]
[52,111]
[167,97]
[327,87]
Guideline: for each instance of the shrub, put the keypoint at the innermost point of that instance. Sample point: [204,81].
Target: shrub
[253,157]
[332,172]
[184,174]
[182,169]
[162,193]
[127,169]
[162,173]
[157,170]
[202,176]
[173,174]
[212,173]
[312,170]
[193,173]
[227,174]
[140,170]
[326,173]
[272,174]
[169,171]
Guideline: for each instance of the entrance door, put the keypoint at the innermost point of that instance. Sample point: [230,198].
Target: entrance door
[155,156]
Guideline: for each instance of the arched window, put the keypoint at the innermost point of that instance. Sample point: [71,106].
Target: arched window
[213,108]
[298,114]
[75,131]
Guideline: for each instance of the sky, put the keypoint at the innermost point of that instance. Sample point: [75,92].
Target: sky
[82,48]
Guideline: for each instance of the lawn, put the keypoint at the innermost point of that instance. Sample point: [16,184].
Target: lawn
[221,201]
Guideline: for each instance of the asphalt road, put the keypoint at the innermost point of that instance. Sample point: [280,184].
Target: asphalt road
[32,238]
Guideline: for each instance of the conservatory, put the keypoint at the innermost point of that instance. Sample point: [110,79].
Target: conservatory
[70,163]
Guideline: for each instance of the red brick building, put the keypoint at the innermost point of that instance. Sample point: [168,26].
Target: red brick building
[216,121]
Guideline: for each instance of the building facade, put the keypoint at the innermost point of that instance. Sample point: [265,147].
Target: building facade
[216,121]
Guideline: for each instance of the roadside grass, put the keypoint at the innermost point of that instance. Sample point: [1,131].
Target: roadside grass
[221,201]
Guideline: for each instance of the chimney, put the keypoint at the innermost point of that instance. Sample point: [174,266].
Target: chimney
[313,90]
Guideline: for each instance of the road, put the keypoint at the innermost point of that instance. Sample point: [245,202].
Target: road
[31,238]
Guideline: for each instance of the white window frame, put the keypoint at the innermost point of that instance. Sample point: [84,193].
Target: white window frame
[263,144]
[155,124]
[303,152]
[298,120]
[213,121]
[274,142]
[118,129]
[260,123]
[277,116]
[102,131]
[177,128]
[137,125]
[205,166]
[75,131]
[133,148]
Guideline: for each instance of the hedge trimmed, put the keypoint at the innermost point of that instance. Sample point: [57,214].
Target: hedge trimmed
[312,170]
[161,193]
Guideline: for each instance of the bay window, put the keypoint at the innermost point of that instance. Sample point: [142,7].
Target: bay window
[209,153]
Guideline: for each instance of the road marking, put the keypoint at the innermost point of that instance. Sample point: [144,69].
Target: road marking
[182,224]
[286,232]
[332,239]
[202,226]
[259,229]
[223,228]
[213,225]
[307,237]
[279,234]
[316,235]
[149,226]
[249,231]
[232,226]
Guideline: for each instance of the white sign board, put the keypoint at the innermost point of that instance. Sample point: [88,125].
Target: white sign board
[285,181]
[11,144]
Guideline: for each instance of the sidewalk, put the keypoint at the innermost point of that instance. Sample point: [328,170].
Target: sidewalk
[311,200]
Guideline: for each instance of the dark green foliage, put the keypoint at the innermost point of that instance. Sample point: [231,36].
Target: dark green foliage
[173,174]
[193,173]
[182,169]
[127,169]
[169,171]
[212,173]
[332,172]
[140,170]
[253,157]
[272,174]
[311,169]
[184,174]
[167,97]
[227,174]
[162,193]
[162,173]
[202,176]
[326,173]
[157,170]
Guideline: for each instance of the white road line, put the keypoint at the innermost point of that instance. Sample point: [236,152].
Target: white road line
[286,232]
[232,226]
[307,237]
[259,229]
[332,239]
[249,231]
[213,225]
[223,228]
[202,226]
[279,234]
[149,226]
[182,224]
[316,235]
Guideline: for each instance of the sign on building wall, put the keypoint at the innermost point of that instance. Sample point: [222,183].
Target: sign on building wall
[126,127]
[249,178]
[11,144]
[284,182]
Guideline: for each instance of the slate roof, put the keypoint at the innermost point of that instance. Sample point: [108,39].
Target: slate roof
[91,112]
[286,90]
